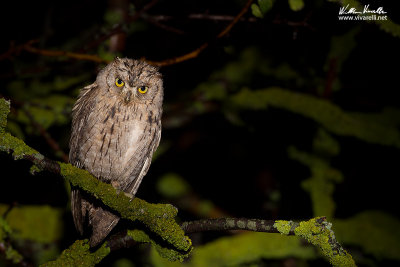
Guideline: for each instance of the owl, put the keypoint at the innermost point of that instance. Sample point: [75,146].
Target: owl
[116,127]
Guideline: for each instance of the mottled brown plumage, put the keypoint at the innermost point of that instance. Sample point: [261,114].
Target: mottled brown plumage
[116,127]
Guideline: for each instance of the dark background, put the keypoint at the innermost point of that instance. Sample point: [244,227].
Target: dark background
[240,169]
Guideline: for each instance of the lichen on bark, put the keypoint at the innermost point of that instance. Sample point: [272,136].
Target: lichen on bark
[318,232]
[79,254]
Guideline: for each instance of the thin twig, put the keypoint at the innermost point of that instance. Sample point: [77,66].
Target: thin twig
[28,47]
[162,26]
[203,17]
[47,137]
[196,52]
[222,224]
[9,208]
[45,134]
[119,27]
[59,53]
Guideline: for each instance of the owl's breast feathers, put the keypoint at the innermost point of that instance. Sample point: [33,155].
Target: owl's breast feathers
[114,141]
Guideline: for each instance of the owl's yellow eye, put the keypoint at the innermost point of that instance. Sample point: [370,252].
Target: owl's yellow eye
[143,89]
[119,82]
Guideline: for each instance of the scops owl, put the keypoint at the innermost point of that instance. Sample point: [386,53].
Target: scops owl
[116,127]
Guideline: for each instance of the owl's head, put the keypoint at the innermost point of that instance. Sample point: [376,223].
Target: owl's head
[133,81]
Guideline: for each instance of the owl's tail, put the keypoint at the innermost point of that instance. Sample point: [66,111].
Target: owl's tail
[84,212]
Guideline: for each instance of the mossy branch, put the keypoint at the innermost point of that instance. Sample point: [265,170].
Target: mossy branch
[318,232]
[158,218]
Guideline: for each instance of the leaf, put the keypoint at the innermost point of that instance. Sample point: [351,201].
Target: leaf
[329,115]
[296,5]
[243,249]
[255,9]
[376,232]
[42,224]
[262,8]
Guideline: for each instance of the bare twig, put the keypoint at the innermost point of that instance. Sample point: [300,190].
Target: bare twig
[155,22]
[45,134]
[59,53]
[203,17]
[119,27]
[9,208]
[222,224]
[196,52]
[47,137]
[28,47]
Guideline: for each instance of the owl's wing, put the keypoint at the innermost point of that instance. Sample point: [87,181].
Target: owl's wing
[80,113]
[142,162]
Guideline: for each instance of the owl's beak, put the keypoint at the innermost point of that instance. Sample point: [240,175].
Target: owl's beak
[127,94]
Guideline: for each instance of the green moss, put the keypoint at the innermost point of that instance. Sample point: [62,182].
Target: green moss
[19,148]
[283,227]
[8,142]
[4,110]
[318,232]
[78,254]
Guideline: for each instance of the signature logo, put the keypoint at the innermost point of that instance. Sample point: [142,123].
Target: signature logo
[347,10]
[357,13]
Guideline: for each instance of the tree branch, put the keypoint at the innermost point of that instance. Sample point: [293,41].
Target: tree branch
[317,231]
[160,218]
[222,224]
